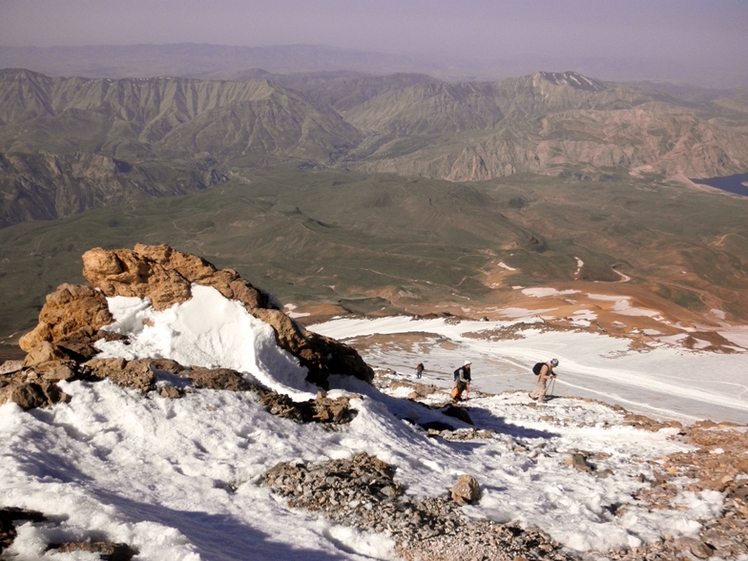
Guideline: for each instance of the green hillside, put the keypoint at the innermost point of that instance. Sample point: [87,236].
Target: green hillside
[383,240]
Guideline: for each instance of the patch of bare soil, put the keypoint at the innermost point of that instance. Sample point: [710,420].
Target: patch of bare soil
[402,342]
[618,309]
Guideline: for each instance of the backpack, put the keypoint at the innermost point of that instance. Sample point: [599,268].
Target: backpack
[537,368]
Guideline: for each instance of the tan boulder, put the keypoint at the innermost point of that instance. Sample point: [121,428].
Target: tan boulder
[43,352]
[69,310]
[123,272]
[168,391]
[467,490]
[136,374]
[56,370]
[10,366]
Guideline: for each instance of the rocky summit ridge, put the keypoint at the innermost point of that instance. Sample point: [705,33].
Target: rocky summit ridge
[61,346]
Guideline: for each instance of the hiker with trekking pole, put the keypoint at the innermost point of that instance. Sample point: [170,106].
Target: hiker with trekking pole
[544,372]
[462,382]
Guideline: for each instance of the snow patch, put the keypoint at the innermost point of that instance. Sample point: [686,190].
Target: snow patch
[209,331]
[547,291]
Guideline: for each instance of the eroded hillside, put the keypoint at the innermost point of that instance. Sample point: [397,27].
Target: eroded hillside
[551,124]
[165,136]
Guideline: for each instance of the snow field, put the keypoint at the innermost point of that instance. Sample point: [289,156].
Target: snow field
[179,479]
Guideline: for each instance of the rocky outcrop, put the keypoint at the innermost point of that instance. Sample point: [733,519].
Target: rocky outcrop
[32,387]
[73,316]
[162,275]
[107,551]
[70,312]
[36,386]
[143,375]
[321,409]
[8,517]
[136,374]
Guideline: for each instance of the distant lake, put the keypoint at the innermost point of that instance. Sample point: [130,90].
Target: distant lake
[731,183]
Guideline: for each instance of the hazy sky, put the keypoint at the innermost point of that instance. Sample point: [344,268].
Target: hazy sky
[703,30]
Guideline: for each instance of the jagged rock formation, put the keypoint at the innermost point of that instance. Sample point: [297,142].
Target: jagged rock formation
[72,318]
[31,387]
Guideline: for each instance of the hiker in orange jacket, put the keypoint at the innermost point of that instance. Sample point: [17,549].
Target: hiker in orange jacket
[462,381]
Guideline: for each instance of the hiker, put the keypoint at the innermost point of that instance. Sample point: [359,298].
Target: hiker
[462,381]
[546,373]
[419,370]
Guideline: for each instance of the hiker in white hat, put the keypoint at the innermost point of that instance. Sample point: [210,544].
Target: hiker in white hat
[462,382]
[545,372]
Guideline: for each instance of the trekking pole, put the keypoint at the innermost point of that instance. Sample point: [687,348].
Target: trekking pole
[553,385]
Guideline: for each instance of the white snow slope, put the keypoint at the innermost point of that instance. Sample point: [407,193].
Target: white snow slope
[667,381]
[178,479]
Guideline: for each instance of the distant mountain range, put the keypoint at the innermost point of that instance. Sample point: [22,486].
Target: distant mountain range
[191,60]
[68,144]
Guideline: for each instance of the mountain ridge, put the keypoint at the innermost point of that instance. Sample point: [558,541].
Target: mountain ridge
[546,122]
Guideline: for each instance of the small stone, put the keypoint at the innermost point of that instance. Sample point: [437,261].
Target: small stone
[697,548]
[467,490]
[169,392]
